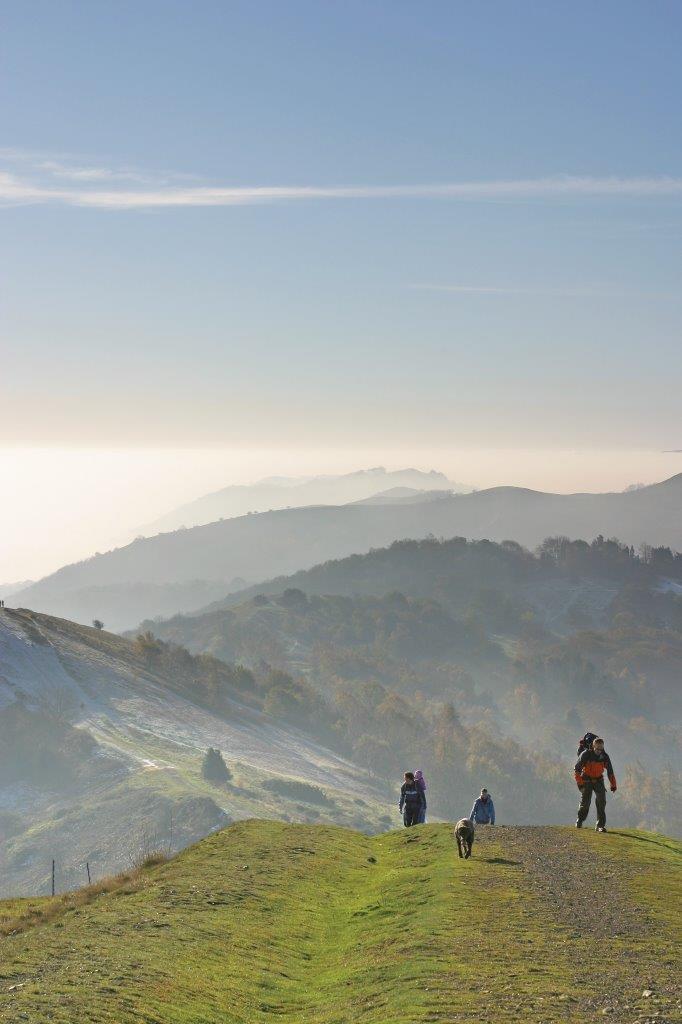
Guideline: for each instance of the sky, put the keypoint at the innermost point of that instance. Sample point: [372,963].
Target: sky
[239,237]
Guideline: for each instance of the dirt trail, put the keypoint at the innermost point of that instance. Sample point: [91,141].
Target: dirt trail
[587,896]
[583,893]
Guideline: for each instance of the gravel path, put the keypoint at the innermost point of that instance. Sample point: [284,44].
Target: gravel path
[587,897]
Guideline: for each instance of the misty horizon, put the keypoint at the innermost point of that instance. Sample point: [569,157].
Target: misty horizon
[80,486]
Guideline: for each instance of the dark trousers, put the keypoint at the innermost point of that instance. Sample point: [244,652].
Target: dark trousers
[410,815]
[597,787]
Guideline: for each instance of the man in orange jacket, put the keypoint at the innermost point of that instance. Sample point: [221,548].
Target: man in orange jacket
[589,774]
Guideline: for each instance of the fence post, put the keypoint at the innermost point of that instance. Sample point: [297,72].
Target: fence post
[87,868]
[53,878]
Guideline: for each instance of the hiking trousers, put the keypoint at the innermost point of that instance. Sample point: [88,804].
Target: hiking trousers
[411,815]
[597,787]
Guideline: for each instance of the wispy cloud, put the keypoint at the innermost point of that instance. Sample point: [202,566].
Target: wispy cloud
[467,289]
[470,289]
[75,173]
[600,291]
[40,179]
[69,168]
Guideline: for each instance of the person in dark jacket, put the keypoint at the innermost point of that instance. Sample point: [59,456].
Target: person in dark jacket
[412,800]
[483,811]
[589,776]
[421,782]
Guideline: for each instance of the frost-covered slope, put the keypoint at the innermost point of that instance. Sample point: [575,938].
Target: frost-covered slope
[128,746]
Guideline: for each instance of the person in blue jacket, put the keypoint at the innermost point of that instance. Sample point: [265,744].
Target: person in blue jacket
[483,811]
[412,800]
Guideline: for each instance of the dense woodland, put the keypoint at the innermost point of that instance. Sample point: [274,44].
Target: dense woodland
[482,663]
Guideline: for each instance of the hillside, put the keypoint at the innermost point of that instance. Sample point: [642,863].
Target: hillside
[143,578]
[526,651]
[292,492]
[101,744]
[320,925]
[403,496]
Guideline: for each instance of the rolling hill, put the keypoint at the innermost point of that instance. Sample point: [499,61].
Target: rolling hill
[142,579]
[320,925]
[101,744]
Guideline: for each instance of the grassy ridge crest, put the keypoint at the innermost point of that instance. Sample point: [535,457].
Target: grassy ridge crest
[321,924]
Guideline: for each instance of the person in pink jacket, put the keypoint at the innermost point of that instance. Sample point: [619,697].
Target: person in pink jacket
[421,782]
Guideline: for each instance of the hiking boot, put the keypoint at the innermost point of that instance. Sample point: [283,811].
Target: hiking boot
[600,828]
[578,823]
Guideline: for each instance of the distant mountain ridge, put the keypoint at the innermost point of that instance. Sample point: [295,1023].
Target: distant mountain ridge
[402,496]
[290,492]
[279,543]
[7,589]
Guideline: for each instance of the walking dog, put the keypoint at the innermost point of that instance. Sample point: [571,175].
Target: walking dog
[464,834]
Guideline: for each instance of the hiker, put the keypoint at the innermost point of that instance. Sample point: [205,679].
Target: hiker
[412,800]
[421,782]
[589,775]
[483,811]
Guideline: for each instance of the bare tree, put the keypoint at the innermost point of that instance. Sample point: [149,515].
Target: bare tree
[646,553]
[151,850]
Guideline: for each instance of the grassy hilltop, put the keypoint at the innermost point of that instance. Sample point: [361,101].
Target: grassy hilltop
[322,925]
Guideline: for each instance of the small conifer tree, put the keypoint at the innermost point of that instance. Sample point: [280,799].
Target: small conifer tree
[213,767]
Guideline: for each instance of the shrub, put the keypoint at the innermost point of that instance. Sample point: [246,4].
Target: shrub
[213,767]
[295,790]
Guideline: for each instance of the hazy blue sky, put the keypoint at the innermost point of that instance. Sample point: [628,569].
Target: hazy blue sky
[352,225]
[302,316]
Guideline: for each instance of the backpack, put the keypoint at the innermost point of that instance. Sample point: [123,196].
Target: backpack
[586,742]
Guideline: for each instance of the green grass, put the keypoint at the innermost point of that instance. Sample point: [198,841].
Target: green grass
[15,915]
[314,925]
